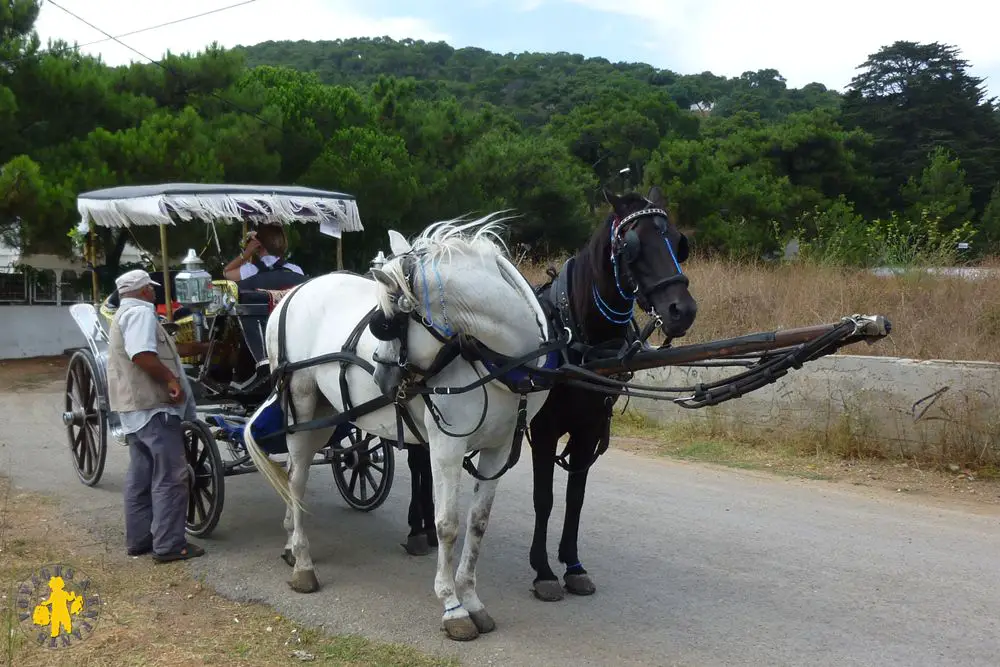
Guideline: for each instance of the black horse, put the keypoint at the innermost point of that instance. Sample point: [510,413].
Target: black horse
[635,256]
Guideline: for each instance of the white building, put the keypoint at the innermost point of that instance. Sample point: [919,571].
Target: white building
[57,276]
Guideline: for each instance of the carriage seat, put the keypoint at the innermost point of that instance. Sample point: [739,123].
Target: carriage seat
[255,306]
[263,297]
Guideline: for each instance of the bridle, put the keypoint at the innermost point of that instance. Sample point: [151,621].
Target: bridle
[625,247]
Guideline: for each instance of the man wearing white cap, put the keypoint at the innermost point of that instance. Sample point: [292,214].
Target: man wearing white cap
[148,389]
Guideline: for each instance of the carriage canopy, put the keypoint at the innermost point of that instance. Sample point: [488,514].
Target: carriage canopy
[166,204]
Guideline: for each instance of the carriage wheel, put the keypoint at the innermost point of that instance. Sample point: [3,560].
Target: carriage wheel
[363,476]
[206,479]
[86,423]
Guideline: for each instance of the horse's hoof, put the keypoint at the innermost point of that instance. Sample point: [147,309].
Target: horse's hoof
[461,629]
[548,590]
[304,581]
[417,545]
[484,622]
[432,537]
[288,557]
[579,584]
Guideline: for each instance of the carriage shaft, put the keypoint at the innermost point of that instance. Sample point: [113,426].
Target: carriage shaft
[869,328]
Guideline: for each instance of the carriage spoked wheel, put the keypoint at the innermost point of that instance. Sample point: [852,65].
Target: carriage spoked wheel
[86,423]
[206,479]
[364,475]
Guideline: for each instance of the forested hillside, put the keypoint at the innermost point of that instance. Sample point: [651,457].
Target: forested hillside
[904,164]
[533,86]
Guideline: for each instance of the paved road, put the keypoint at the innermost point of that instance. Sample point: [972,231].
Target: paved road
[694,565]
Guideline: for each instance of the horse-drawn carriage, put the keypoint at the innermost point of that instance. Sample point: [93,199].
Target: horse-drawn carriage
[443,346]
[232,378]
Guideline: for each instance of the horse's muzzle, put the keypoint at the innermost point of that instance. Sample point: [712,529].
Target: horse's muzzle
[388,377]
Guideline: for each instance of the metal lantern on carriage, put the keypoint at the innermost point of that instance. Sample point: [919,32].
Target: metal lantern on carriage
[194,289]
[194,283]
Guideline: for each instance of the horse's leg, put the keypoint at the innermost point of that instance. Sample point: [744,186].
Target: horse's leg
[289,524]
[544,439]
[490,462]
[581,453]
[417,459]
[427,498]
[302,446]
[446,466]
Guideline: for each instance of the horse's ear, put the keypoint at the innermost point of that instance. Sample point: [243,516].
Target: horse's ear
[656,196]
[398,243]
[383,277]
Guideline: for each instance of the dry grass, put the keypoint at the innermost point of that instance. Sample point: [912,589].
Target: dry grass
[933,317]
[838,457]
[155,615]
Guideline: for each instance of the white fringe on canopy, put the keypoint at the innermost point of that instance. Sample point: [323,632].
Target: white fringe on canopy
[334,215]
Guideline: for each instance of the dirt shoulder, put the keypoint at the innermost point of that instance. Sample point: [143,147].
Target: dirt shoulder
[39,374]
[151,614]
[974,491]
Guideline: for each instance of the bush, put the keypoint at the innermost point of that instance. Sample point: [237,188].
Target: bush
[837,235]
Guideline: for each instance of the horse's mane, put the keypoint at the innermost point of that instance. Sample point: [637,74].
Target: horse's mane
[479,236]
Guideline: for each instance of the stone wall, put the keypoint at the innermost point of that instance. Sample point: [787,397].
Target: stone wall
[905,406]
[37,331]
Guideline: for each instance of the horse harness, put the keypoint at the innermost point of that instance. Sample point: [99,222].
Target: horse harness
[570,344]
[507,370]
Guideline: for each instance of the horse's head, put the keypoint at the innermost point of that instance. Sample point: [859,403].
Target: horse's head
[397,304]
[646,251]
[452,282]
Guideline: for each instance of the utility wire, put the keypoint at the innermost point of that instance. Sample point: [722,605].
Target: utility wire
[69,49]
[163,25]
[160,64]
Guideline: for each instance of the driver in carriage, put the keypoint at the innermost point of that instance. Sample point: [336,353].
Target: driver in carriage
[269,270]
[262,277]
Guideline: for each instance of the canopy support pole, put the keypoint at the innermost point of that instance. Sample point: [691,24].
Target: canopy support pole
[340,254]
[167,296]
[92,258]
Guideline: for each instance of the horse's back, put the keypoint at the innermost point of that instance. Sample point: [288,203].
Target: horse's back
[321,314]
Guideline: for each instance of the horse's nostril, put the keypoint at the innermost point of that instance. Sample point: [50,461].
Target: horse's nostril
[674,312]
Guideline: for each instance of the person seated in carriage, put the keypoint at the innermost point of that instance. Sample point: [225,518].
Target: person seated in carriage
[261,265]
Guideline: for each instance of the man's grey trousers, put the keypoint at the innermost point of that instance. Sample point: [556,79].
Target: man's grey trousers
[156,487]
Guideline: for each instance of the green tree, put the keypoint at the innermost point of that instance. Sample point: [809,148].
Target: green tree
[539,180]
[940,191]
[377,169]
[989,225]
[913,97]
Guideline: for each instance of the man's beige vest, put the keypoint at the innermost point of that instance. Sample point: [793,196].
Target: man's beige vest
[129,387]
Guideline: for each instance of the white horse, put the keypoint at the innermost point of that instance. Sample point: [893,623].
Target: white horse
[458,280]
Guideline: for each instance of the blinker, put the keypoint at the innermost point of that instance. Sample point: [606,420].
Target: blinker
[387,328]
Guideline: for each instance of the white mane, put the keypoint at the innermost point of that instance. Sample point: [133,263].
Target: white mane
[480,236]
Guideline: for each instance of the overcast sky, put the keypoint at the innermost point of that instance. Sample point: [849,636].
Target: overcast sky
[805,41]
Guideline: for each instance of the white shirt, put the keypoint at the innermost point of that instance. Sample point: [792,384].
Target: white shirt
[247,270]
[138,326]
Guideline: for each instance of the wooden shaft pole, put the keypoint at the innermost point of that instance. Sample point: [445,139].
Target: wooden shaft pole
[758,342]
[167,296]
[340,254]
